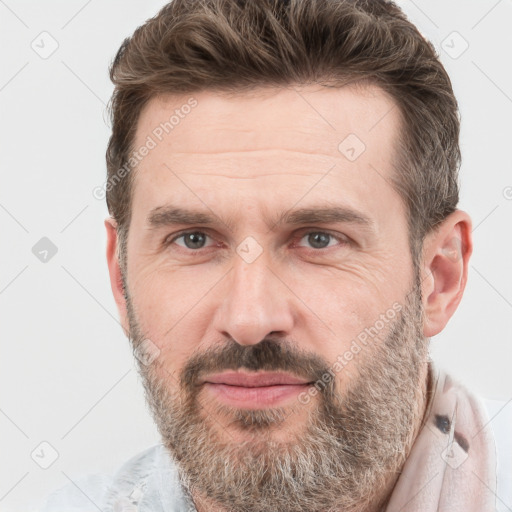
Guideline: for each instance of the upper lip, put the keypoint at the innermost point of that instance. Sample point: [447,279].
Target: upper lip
[253,380]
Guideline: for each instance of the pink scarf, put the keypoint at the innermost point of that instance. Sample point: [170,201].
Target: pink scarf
[452,464]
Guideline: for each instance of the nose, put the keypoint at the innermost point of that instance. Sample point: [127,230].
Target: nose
[254,304]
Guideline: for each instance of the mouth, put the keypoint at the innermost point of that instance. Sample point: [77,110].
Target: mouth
[254,390]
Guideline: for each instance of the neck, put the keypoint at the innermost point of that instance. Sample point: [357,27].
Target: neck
[424,401]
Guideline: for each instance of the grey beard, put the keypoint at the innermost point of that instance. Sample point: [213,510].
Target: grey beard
[352,445]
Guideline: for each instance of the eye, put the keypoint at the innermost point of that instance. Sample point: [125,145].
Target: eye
[191,240]
[197,240]
[323,239]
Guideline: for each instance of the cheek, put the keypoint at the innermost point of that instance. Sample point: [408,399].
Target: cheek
[170,310]
[167,295]
[346,299]
[345,320]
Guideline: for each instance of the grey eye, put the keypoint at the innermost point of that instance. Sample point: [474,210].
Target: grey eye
[319,240]
[195,240]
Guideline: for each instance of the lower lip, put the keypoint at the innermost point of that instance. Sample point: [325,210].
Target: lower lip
[251,398]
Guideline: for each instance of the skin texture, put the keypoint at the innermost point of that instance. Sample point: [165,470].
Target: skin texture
[297,307]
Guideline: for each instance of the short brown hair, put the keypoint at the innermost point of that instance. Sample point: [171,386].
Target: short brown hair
[236,45]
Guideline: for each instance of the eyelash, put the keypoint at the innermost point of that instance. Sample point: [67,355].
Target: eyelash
[343,239]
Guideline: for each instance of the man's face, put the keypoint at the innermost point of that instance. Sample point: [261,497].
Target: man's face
[269,287]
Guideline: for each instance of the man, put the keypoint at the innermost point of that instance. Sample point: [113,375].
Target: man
[284,239]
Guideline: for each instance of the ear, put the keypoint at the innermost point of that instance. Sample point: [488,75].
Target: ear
[114,270]
[446,253]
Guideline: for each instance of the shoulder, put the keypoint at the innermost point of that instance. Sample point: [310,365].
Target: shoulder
[91,492]
[499,415]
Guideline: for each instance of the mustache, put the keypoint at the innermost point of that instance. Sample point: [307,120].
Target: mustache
[269,354]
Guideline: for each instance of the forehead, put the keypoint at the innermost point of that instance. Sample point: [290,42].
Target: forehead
[267,145]
[325,115]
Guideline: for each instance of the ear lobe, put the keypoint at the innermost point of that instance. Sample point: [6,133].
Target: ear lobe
[114,270]
[446,258]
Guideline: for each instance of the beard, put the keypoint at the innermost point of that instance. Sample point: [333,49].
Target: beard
[351,447]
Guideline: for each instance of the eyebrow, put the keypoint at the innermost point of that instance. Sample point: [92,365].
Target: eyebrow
[170,215]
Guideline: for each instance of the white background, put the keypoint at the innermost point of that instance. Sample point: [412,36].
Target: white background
[67,373]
